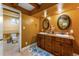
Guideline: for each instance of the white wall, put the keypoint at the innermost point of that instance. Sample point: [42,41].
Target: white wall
[1,30]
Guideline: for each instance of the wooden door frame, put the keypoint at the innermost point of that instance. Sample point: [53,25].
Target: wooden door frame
[20,25]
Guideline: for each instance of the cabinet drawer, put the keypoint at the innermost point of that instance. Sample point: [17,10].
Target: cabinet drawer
[58,44]
[48,39]
[67,45]
[68,41]
[59,39]
[63,40]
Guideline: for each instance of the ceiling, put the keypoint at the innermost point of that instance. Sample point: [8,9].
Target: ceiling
[58,9]
[30,8]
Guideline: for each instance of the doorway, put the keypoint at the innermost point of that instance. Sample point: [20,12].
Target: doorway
[12,31]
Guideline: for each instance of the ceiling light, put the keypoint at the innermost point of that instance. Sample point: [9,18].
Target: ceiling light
[59,7]
[26,6]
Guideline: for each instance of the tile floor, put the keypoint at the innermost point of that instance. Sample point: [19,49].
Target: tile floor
[36,51]
[12,50]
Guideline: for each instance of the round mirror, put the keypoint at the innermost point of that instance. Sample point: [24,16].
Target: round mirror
[45,24]
[63,22]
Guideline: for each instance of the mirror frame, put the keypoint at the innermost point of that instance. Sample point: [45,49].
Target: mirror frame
[43,24]
[65,17]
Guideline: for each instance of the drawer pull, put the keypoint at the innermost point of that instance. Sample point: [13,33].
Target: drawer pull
[61,44]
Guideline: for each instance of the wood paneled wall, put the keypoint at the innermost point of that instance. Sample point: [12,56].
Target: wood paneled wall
[8,27]
[30,27]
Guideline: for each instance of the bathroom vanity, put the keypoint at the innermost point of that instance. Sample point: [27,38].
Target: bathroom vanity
[57,44]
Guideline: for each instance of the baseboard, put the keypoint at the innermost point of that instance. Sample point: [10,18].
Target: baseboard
[27,47]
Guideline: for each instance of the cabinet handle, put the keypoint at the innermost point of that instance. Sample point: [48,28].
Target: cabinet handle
[61,44]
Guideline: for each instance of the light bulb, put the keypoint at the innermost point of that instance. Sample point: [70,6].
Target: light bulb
[49,18]
[71,31]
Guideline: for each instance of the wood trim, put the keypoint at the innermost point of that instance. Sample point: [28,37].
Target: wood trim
[42,7]
[15,5]
[37,8]
[10,10]
[35,5]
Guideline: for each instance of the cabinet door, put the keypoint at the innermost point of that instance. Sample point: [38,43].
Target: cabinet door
[42,41]
[48,43]
[67,47]
[38,40]
[68,42]
[56,46]
[67,50]
[52,44]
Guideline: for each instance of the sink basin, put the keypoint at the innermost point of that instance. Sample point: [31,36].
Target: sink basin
[43,33]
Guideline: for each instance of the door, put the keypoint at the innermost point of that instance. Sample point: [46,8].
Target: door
[12,25]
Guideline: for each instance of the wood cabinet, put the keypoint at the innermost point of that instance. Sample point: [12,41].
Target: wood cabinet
[40,41]
[55,45]
[47,42]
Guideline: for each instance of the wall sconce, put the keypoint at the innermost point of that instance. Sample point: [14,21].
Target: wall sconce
[49,18]
[24,27]
[71,31]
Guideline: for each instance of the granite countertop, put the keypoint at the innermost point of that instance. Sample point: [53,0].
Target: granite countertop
[58,35]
